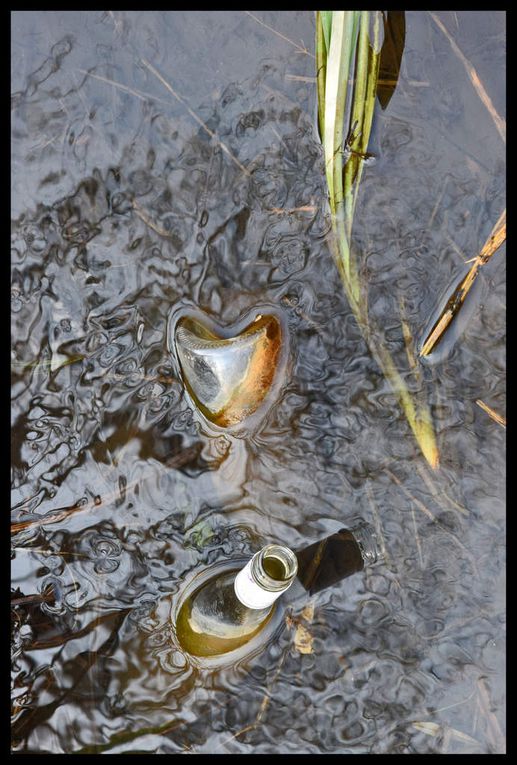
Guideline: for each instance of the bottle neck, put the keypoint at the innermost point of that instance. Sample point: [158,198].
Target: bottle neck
[266,576]
[337,557]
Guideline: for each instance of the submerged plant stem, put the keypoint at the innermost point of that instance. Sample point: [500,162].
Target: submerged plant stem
[355,36]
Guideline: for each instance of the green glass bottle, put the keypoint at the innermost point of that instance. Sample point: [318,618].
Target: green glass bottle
[225,612]
[232,607]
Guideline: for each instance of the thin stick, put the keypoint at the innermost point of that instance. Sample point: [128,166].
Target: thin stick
[26,600]
[279,34]
[138,93]
[193,114]
[497,417]
[494,729]
[138,210]
[417,537]
[435,492]
[430,515]
[476,82]
[492,244]
[408,341]
[437,203]
[175,461]
[303,208]
[300,78]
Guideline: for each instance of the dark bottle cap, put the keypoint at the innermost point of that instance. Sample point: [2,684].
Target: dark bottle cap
[337,557]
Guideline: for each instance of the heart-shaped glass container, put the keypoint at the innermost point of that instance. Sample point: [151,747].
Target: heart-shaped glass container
[229,372]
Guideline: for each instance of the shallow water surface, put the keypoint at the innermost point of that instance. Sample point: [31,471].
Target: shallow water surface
[162,159]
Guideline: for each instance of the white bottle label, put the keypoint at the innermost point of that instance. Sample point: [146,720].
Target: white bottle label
[250,593]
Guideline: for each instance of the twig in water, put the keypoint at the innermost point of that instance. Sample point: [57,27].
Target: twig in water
[37,597]
[435,492]
[138,210]
[497,417]
[300,78]
[408,340]
[262,23]
[193,114]
[430,515]
[283,211]
[476,82]
[138,93]
[494,729]
[492,244]
[115,21]
[417,537]
[435,729]
[438,202]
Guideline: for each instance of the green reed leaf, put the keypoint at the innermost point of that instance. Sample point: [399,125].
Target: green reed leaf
[348,50]
[326,22]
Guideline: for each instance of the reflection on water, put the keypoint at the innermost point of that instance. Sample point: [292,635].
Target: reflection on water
[125,206]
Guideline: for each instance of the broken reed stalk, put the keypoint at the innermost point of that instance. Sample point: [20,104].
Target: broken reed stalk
[496,417]
[348,47]
[456,300]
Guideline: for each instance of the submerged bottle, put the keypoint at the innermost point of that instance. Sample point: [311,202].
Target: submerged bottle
[228,378]
[229,609]
[337,557]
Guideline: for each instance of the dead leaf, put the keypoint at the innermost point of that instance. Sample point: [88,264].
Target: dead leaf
[303,639]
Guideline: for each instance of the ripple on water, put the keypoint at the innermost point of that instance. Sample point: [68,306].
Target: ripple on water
[124,208]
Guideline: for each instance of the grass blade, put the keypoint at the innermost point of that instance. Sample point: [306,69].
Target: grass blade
[391,55]
[355,36]
[321,69]
[326,23]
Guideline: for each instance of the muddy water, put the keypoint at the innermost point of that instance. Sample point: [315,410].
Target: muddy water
[133,194]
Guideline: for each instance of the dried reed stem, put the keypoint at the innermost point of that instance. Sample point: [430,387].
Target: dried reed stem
[279,34]
[500,123]
[457,298]
[497,417]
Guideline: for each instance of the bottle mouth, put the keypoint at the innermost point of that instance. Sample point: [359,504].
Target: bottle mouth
[274,567]
[366,538]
